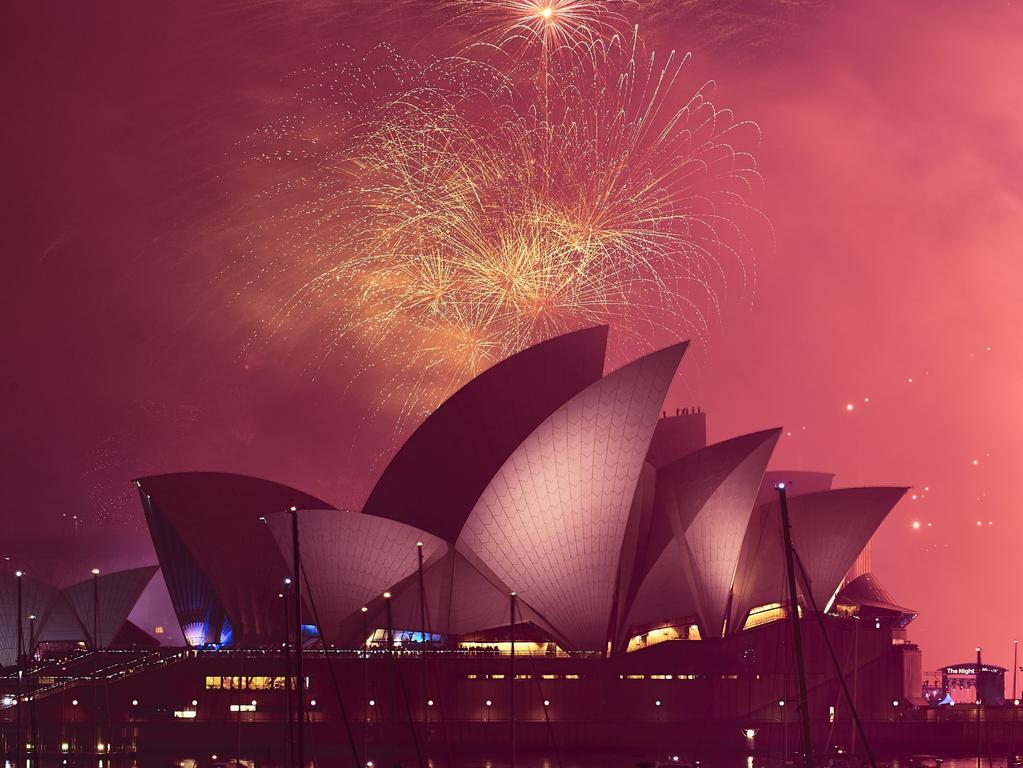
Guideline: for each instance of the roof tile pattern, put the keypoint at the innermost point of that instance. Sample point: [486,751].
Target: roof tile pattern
[550,524]
[481,424]
[108,600]
[708,496]
[829,529]
[37,598]
[797,483]
[215,518]
[663,596]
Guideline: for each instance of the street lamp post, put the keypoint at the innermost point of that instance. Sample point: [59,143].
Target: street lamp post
[32,728]
[20,736]
[98,740]
[1015,706]
[1015,666]
[296,564]
[287,674]
[391,672]
[511,688]
[365,677]
[797,636]
[95,609]
[980,699]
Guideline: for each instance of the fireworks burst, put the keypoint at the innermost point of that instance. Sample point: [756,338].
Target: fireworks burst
[547,26]
[432,219]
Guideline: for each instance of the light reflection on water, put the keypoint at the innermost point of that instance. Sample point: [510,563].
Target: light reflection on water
[524,761]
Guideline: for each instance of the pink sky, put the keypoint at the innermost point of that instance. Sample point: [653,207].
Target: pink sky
[892,155]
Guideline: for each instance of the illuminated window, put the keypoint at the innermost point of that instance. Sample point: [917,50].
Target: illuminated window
[572,677]
[522,648]
[401,637]
[766,614]
[635,677]
[660,677]
[729,677]
[243,707]
[255,683]
[185,714]
[845,609]
[549,677]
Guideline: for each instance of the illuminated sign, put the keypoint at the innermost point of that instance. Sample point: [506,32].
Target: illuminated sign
[971,670]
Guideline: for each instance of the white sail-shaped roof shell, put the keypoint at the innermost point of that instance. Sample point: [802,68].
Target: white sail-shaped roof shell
[550,524]
[829,529]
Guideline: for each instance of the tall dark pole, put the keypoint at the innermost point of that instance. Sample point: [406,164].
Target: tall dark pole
[422,592]
[391,673]
[365,679]
[95,609]
[1015,667]
[287,676]
[299,679]
[511,684]
[20,737]
[1015,705]
[980,732]
[422,627]
[95,662]
[33,730]
[796,633]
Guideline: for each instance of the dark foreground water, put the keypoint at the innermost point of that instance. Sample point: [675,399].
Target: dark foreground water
[575,760]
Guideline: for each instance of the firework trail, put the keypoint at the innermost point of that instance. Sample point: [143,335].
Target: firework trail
[528,28]
[431,219]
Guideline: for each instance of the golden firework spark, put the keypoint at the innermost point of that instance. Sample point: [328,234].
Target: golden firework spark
[561,26]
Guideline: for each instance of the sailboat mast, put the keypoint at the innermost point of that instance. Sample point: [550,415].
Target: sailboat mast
[797,636]
[299,678]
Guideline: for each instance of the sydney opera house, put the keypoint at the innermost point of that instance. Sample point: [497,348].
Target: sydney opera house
[638,571]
